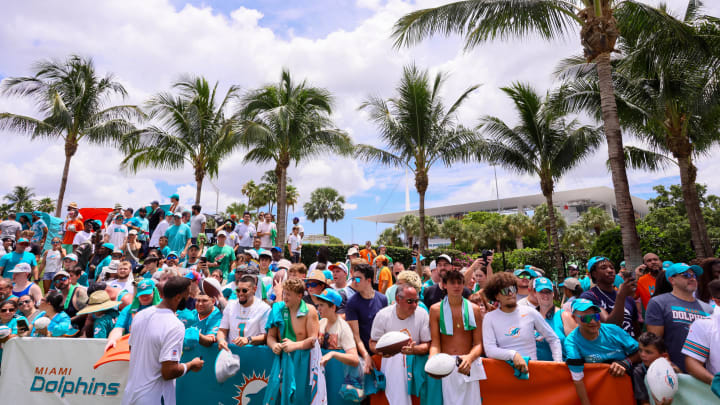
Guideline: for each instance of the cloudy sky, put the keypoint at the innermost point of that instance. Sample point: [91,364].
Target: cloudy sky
[342,45]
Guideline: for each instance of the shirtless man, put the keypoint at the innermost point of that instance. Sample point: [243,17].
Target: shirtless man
[302,331]
[454,337]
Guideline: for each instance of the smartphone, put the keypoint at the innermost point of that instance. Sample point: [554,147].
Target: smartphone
[22,325]
[628,275]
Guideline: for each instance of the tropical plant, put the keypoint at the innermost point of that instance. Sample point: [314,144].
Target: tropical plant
[452,229]
[325,203]
[482,20]
[543,144]
[192,128]
[292,197]
[73,101]
[286,123]
[418,130]
[576,237]
[596,219]
[21,198]
[494,230]
[5,210]
[45,204]
[409,226]
[518,226]
[670,101]
[389,237]
[432,229]
[257,197]
[237,209]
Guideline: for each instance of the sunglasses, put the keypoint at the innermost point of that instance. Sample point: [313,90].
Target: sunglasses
[358,279]
[55,243]
[524,276]
[508,290]
[242,290]
[23,302]
[6,310]
[589,318]
[61,278]
[688,275]
[411,301]
[312,284]
[171,257]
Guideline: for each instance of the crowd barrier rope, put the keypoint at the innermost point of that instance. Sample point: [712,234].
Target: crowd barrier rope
[61,371]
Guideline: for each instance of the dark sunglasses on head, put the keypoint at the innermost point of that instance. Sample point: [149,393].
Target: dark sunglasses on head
[508,290]
[589,318]
[242,290]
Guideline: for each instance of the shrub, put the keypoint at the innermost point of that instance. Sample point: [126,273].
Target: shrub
[402,254]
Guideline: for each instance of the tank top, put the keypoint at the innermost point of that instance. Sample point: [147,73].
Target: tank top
[53,262]
[26,291]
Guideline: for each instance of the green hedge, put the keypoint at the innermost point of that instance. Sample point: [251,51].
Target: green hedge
[404,255]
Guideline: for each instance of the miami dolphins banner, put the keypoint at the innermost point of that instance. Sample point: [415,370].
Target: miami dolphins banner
[43,371]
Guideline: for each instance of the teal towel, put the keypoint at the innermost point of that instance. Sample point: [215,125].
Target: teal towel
[518,374]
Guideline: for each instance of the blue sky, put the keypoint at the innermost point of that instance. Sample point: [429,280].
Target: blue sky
[341,45]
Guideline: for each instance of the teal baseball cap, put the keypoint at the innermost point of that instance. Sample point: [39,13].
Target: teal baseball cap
[527,271]
[108,246]
[175,196]
[583,304]
[679,268]
[542,283]
[145,287]
[173,253]
[331,296]
[23,240]
[594,260]
[666,264]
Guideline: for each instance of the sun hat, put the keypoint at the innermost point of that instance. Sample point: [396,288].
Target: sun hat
[226,365]
[73,205]
[284,264]
[444,257]
[542,283]
[118,206]
[583,304]
[679,268]
[571,283]
[352,251]
[99,301]
[317,275]
[145,287]
[21,268]
[112,268]
[338,265]
[331,296]
[71,256]
[61,273]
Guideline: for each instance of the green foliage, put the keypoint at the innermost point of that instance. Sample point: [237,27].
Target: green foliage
[326,204]
[20,199]
[45,204]
[609,244]
[596,219]
[402,254]
[334,240]
[390,237]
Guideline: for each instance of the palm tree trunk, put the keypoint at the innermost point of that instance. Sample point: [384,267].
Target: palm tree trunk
[281,172]
[616,156]
[198,187]
[421,183]
[519,242]
[552,223]
[70,150]
[452,243]
[698,229]
[324,226]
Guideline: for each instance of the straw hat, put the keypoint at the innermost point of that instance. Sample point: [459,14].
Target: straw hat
[99,301]
[73,205]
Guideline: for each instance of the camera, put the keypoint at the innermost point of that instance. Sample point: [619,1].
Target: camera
[485,254]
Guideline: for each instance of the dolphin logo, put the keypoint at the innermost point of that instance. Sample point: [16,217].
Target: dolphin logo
[669,379]
[513,332]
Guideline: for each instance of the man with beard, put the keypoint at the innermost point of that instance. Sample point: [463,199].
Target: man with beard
[246,232]
[436,292]
[123,280]
[646,284]
[456,329]
[243,321]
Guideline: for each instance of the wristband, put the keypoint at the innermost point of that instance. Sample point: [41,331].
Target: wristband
[184,369]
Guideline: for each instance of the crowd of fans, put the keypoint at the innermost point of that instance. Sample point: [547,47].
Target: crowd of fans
[94,279]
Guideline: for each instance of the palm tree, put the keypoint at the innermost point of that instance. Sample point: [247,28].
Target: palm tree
[286,123]
[5,210]
[452,229]
[543,144]
[192,128]
[432,229]
[482,20]
[596,219]
[46,204]
[325,203]
[541,219]
[576,237]
[409,225]
[237,208]
[494,230]
[670,101]
[518,226]
[21,198]
[291,196]
[73,100]
[418,130]
[389,237]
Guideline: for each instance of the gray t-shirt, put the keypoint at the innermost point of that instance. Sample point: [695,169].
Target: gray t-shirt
[196,222]
[675,315]
[416,325]
[8,228]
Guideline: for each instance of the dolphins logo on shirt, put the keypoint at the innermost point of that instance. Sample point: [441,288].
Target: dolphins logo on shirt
[513,332]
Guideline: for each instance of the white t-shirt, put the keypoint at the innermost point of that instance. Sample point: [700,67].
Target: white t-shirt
[196,222]
[81,237]
[157,336]
[126,285]
[294,242]
[339,335]
[158,232]
[246,233]
[265,241]
[116,234]
[505,334]
[232,239]
[245,321]
[417,326]
[703,342]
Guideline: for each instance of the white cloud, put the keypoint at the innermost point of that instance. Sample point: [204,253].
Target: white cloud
[349,206]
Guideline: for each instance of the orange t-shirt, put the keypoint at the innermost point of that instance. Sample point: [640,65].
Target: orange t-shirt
[70,235]
[645,288]
[368,254]
[385,275]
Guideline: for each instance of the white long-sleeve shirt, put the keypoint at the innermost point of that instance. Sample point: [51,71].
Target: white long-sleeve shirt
[505,334]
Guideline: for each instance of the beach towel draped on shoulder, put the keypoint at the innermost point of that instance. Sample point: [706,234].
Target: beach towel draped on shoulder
[446,322]
[280,318]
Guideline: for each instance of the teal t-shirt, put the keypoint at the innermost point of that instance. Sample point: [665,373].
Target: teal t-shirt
[10,260]
[104,324]
[124,320]
[104,262]
[13,324]
[612,344]
[210,324]
[178,235]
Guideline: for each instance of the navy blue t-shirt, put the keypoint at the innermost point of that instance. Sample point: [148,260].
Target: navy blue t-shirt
[364,310]
[606,301]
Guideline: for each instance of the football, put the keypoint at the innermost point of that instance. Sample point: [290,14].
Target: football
[440,365]
[661,379]
[42,323]
[392,343]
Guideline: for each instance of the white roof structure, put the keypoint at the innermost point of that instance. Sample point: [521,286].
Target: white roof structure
[571,203]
